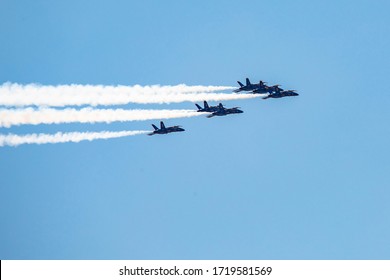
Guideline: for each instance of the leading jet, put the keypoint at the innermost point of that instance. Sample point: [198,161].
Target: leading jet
[207,108]
[165,130]
[249,86]
[222,111]
[279,93]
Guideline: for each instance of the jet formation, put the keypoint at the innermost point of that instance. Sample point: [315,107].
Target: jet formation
[274,91]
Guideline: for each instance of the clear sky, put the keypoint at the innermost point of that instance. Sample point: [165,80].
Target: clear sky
[304,177]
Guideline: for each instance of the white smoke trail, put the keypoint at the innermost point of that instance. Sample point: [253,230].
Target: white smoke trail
[59,137]
[15,95]
[10,117]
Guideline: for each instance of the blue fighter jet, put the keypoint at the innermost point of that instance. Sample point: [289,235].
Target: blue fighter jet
[279,93]
[207,108]
[165,130]
[266,89]
[222,111]
[249,86]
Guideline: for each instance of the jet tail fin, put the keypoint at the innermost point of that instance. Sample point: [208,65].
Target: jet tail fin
[241,85]
[162,125]
[155,127]
[248,83]
[197,106]
[206,106]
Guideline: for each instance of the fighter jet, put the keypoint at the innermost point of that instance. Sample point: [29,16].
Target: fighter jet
[165,130]
[222,111]
[266,89]
[279,93]
[249,86]
[207,108]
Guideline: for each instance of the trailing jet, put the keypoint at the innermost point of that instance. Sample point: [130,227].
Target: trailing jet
[207,108]
[249,86]
[267,89]
[279,93]
[165,130]
[222,111]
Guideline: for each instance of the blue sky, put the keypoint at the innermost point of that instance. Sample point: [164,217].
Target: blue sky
[292,178]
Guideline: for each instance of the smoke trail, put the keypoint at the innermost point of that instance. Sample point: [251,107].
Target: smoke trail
[15,95]
[59,137]
[32,116]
